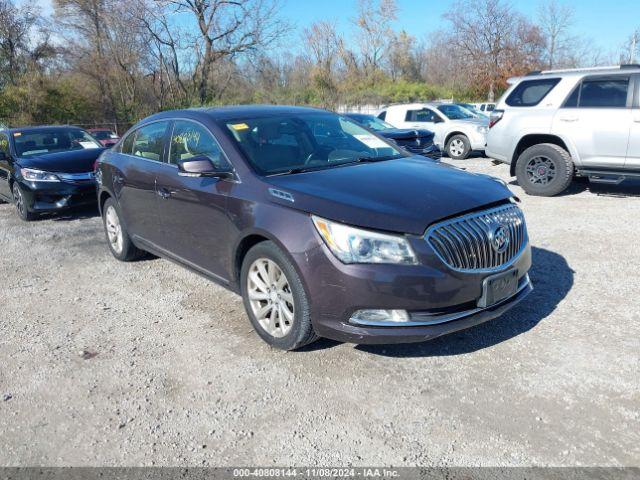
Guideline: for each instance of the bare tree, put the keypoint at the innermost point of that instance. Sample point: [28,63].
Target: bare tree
[487,36]
[18,25]
[228,28]
[555,20]
[374,33]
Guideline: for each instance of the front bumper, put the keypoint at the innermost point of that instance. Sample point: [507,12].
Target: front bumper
[439,300]
[41,197]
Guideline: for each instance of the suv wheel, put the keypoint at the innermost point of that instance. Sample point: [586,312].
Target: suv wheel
[544,170]
[458,147]
[20,203]
[118,238]
[275,299]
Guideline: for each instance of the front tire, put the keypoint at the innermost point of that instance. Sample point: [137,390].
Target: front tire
[458,147]
[20,203]
[118,239]
[544,170]
[275,299]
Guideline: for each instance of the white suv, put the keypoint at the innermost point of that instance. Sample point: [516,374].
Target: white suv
[457,131]
[555,125]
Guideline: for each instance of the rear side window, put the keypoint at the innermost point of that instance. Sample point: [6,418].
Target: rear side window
[531,92]
[149,141]
[600,93]
[127,143]
[382,115]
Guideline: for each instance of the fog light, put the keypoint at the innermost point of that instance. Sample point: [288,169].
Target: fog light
[369,317]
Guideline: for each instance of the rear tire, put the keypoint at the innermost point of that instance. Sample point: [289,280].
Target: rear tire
[118,238]
[458,147]
[20,203]
[544,170]
[275,299]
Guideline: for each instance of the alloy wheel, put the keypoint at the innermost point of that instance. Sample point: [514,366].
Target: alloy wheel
[456,147]
[541,170]
[114,229]
[18,200]
[270,297]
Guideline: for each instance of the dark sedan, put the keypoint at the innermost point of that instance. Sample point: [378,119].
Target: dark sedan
[419,142]
[47,169]
[324,228]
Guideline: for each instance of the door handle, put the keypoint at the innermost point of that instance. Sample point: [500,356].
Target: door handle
[569,119]
[636,119]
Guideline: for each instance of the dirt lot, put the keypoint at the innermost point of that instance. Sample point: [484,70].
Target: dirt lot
[104,363]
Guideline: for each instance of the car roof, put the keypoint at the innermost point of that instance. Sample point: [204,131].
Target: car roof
[580,72]
[233,112]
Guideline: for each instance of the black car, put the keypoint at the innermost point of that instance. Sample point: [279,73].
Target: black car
[324,228]
[419,142]
[47,169]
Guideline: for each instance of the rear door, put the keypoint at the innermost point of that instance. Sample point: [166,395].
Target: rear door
[6,166]
[633,152]
[141,159]
[596,118]
[193,210]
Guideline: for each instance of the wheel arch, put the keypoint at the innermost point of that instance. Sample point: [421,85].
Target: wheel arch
[531,139]
[453,134]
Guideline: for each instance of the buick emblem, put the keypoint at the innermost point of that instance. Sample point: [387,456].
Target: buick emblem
[500,239]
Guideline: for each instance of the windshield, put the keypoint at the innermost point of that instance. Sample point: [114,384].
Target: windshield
[52,140]
[290,143]
[373,123]
[455,112]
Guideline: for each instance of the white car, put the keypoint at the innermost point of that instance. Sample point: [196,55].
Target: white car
[555,125]
[457,131]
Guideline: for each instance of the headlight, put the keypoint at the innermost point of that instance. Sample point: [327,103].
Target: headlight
[353,245]
[38,175]
[482,129]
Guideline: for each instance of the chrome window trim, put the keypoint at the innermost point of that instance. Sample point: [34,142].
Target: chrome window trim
[476,214]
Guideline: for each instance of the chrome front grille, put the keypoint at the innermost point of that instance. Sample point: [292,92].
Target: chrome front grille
[485,240]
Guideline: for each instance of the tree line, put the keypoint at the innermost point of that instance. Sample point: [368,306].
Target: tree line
[115,61]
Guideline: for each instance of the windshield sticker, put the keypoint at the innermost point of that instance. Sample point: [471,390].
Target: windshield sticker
[88,145]
[371,141]
[4,144]
[240,126]
[17,134]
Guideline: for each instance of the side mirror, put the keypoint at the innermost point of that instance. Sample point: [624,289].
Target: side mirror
[201,166]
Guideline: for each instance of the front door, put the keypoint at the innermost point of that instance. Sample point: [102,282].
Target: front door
[426,119]
[597,119]
[193,210]
[6,166]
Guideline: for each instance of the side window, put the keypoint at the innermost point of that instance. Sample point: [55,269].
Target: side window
[424,115]
[572,101]
[382,115]
[149,141]
[127,143]
[190,139]
[604,93]
[4,144]
[530,93]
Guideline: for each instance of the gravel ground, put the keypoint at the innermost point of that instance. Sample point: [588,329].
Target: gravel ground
[105,363]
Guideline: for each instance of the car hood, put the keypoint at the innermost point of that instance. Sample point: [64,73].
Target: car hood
[74,161]
[405,133]
[405,195]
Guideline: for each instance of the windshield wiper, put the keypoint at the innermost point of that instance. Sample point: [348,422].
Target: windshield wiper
[378,159]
